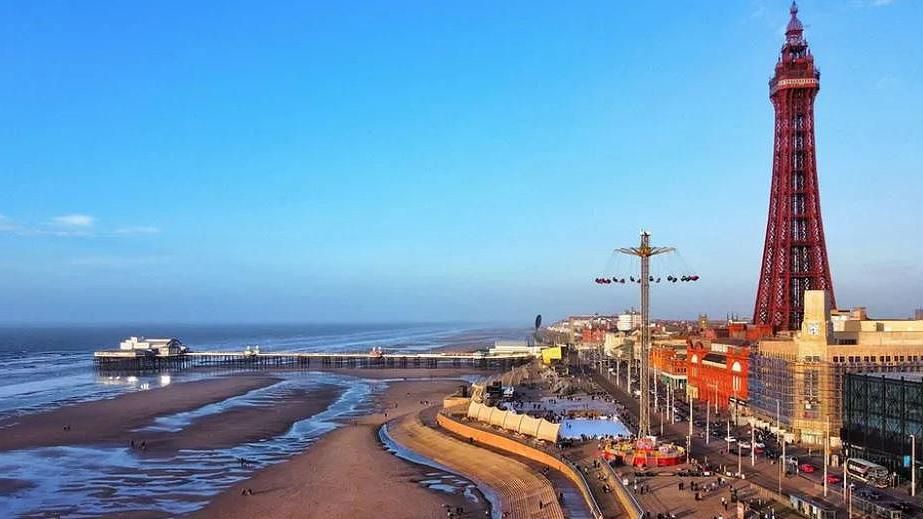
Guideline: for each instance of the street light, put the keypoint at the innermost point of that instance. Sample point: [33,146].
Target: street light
[913,465]
[740,470]
[845,477]
[618,368]
[707,414]
[689,442]
[849,506]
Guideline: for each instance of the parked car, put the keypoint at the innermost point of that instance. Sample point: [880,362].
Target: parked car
[792,460]
[833,479]
[730,439]
[807,468]
[744,444]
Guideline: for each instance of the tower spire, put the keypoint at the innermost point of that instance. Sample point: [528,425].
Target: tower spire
[794,31]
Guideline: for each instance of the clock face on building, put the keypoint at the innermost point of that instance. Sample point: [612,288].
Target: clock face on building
[813,329]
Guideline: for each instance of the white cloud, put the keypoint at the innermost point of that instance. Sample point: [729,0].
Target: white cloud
[6,225]
[136,229]
[74,220]
[72,225]
[117,261]
[888,82]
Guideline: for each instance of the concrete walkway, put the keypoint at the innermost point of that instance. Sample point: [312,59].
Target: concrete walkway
[522,493]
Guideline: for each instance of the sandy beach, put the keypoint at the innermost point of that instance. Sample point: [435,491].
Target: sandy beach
[347,473]
[409,374]
[241,425]
[112,420]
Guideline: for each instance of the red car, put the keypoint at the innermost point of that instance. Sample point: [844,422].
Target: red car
[833,479]
[807,468]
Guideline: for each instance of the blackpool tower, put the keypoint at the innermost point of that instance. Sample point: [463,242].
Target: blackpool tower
[795,253]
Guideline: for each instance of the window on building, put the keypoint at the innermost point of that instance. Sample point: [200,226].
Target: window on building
[865,358]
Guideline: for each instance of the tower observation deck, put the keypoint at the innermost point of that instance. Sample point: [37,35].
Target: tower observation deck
[795,252]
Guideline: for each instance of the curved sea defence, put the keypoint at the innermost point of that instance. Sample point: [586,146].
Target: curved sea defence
[522,492]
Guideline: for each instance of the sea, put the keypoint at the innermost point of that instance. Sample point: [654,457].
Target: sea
[45,367]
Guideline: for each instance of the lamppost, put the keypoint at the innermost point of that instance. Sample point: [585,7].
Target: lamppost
[618,368]
[707,419]
[849,505]
[740,469]
[707,415]
[689,438]
[845,477]
[913,465]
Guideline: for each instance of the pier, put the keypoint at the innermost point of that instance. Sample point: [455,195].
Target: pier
[120,360]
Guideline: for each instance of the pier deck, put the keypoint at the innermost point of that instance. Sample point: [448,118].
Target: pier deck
[119,360]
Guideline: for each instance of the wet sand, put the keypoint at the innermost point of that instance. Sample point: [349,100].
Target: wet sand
[242,424]
[111,421]
[347,473]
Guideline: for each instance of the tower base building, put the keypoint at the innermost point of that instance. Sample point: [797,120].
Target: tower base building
[797,381]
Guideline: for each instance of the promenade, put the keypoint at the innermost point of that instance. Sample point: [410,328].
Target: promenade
[522,492]
[761,480]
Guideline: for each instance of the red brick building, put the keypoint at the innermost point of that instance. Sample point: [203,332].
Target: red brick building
[717,368]
[669,365]
[593,335]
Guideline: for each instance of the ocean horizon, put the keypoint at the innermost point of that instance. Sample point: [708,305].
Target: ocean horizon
[45,366]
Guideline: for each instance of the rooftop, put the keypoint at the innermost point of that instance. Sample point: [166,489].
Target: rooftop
[906,375]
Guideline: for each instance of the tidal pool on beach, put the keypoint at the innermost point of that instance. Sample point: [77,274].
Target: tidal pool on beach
[88,481]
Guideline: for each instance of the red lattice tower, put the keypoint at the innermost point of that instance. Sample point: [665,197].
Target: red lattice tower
[795,253]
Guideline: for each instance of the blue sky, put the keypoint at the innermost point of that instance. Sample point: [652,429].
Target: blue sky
[359,161]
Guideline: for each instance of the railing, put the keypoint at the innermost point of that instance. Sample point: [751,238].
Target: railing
[627,499]
[584,487]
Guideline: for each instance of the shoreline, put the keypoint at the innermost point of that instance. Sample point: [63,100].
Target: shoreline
[112,420]
[348,470]
[351,452]
[242,424]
